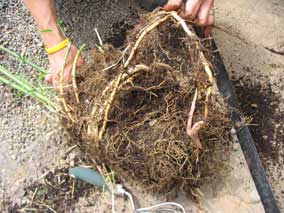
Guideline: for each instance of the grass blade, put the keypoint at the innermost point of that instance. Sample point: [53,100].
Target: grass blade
[24,86]
[23,59]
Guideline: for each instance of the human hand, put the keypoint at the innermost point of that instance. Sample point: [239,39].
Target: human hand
[56,61]
[199,11]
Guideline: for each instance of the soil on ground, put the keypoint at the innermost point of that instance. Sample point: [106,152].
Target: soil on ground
[252,50]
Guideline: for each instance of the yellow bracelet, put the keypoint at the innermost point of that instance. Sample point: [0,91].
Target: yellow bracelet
[58,47]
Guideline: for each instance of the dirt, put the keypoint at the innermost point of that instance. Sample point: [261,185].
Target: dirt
[112,19]
[259,105]
[266,127]
[250,47]
[56,191]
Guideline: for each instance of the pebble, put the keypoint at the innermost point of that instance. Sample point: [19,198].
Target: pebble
[11,147]
[225,157]
[24,201]
[236,146]
[5,122]
[233,131]
[253,197]
[72,163]
[235,139]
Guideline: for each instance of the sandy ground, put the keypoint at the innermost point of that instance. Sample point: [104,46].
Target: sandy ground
[32,141]
[250,39]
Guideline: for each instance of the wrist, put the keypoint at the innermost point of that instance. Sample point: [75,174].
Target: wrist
[52,35]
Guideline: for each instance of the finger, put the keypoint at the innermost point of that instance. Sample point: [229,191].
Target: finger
[191,9]
[80,62]
[172,5]
[48,78]
[211,19]
[67,78]
[208,29]
[56,81]
[204,13]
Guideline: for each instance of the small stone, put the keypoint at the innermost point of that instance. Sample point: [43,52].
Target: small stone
[225,157]
[253,197]
[233,131]
[236,146]
[39,45]
[74,18]
[5,122]
[235,139]
[72,163]
[254,105]
[62,162]
[265,137]
[24,201]
[72,155]
[14,157]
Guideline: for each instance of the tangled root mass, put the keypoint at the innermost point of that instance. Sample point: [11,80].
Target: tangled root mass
[145,107]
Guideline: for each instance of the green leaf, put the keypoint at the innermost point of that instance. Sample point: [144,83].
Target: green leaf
[46,31]
[59,22]
[19,95]
[41,76]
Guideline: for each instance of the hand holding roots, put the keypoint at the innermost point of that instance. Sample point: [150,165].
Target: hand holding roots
[129,111]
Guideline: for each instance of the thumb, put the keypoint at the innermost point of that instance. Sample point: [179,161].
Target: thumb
[48,78]
[172,5]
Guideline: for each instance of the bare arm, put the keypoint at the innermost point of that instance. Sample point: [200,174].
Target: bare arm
[44,13]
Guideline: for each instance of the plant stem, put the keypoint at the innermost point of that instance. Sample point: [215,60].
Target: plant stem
[23,59]
[14,85]
[25,87]
[65,105]
[74,72]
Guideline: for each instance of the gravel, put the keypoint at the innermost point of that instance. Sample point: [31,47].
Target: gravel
[32,141]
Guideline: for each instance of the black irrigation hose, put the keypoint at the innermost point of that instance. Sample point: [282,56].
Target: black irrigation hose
[227,90]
